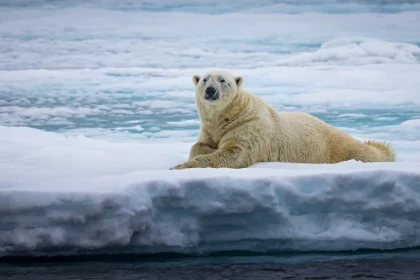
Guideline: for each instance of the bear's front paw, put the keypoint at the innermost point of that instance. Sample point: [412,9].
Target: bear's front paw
[188,164]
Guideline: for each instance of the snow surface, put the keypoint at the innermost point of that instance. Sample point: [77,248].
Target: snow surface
[111,82]
[70,194]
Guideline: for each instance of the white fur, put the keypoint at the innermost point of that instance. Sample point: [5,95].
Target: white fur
[240,129]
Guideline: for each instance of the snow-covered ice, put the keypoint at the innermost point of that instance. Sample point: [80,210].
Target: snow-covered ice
[74,194]
[96,104]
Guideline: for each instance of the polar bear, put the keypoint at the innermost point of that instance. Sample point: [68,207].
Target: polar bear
[238,129]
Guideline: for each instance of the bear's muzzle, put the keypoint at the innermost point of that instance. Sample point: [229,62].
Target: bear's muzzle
[211,93]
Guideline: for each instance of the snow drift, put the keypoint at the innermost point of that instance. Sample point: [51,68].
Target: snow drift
[71,195]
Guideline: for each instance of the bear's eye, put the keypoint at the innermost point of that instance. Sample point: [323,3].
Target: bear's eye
[222,80]
[205,80]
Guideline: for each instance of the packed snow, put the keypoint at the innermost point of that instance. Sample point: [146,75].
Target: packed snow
[74,194]
[97,103]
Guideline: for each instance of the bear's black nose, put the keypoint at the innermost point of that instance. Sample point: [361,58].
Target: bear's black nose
[210,91]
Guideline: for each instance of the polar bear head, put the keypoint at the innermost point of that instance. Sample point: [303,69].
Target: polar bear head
[216,87]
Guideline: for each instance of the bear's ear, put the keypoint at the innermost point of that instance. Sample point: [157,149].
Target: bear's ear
[239,81]
[195,79]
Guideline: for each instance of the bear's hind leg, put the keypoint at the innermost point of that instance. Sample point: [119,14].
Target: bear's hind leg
[372,151]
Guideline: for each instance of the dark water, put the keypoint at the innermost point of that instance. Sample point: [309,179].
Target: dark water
[391,266]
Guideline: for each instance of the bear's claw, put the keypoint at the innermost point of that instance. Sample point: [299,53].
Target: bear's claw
[188,164]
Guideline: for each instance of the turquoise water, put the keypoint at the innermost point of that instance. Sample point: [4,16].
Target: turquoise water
[123,69]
